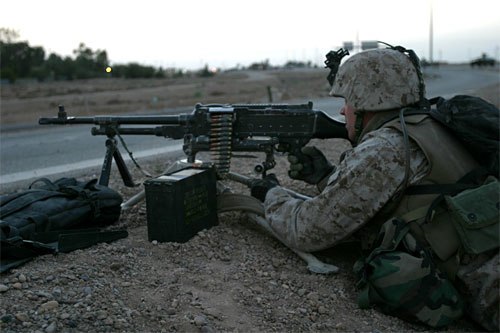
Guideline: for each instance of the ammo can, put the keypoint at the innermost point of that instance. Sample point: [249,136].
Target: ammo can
[180,204]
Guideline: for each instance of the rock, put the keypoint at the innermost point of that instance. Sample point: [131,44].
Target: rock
[200,320]
[101,314]
[51,328]
[133,286]
[7,318]
[207,329]
[64,315]
[115,266]
[322,310]
[3,288]
[50,305]
[22,316]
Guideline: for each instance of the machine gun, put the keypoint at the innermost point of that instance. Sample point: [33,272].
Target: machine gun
[221,129]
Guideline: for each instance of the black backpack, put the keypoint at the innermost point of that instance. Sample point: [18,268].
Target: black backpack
[51,217]
[476,123]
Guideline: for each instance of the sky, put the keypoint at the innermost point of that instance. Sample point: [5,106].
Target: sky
[227,33]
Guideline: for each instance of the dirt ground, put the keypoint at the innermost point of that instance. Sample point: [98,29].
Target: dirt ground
[24,102]
[230,278]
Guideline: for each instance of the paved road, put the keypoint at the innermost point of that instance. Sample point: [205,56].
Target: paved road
[49,150]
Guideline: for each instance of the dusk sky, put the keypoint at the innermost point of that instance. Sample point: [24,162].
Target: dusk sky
[225,33]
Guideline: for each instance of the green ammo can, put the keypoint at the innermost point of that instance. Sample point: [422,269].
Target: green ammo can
[180,204]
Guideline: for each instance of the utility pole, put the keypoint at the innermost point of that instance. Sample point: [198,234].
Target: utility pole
[431,36]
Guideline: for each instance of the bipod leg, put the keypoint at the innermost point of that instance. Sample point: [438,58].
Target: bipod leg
[122,168]
[106,164]
[113,152]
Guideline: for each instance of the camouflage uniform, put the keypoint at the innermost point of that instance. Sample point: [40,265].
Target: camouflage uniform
[478,280]
[366,179]
[371,175]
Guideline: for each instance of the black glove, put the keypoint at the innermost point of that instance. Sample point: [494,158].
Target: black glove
[310,166]
[260,187]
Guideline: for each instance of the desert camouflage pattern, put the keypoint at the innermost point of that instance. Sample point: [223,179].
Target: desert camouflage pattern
[377,80]
[479,278]
[366,179]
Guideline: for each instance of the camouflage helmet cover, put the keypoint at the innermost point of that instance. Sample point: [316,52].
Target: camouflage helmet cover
[377,80]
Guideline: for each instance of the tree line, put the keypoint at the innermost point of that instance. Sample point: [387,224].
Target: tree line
[19,60]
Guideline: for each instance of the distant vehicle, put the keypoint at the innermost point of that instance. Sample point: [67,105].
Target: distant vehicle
[483,61]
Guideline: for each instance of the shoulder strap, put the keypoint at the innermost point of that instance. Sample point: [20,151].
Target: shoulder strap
[17,251]
[471,179]
[48,184]
[234,201]
[25,199]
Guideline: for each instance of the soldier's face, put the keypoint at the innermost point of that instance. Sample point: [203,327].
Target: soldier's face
[350,120]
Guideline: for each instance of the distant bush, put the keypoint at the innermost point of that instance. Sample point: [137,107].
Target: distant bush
[19,60]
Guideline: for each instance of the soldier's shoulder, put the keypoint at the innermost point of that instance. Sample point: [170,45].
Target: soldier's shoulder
[384,137]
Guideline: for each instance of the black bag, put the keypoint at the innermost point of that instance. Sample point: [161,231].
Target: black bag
[476,123]
[56,217]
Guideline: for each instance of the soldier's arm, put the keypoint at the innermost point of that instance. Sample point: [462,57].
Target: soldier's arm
[364,181]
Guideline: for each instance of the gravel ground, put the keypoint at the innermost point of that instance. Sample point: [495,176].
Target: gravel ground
[230,278]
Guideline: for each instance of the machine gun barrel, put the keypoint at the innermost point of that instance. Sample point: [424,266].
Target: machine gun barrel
[181,119]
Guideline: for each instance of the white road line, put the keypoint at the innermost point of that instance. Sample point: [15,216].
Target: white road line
[44,172]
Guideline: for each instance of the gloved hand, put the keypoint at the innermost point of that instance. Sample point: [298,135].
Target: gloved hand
[260,187]
[310,166]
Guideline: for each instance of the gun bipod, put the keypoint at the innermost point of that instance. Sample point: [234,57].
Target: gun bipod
[112,152]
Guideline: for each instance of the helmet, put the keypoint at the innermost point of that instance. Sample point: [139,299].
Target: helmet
[377,80]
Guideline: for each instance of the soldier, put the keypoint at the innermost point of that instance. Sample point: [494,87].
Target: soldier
[391,152]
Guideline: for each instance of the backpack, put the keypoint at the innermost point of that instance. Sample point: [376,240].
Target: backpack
[402,275]
[473,201]
[51,217]
[476,123]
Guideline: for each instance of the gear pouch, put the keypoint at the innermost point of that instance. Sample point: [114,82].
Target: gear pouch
[476,218]
[400,278]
